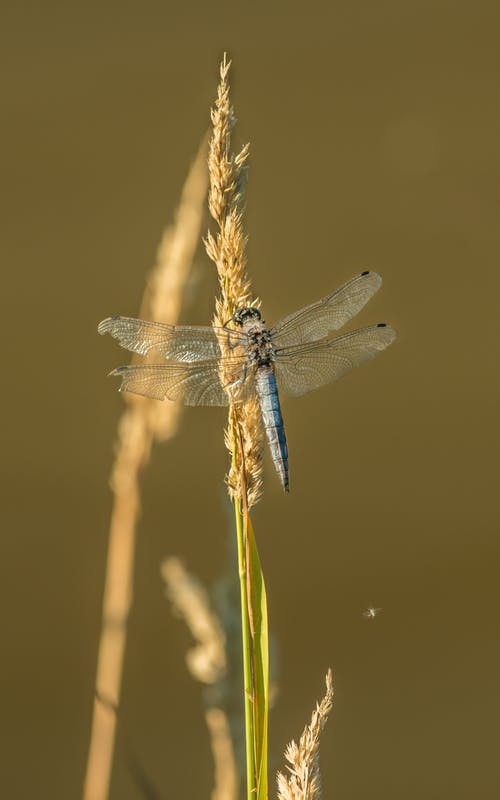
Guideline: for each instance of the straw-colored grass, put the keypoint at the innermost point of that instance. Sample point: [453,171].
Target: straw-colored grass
[303,782]
[227,249]
[142,421]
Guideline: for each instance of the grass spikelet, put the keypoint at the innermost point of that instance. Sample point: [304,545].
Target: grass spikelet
[227,249]
[304,782]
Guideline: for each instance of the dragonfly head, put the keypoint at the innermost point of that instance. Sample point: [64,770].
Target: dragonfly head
[245,315]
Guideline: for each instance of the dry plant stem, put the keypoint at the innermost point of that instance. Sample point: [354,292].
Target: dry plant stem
[304,781]
[132,453]
[142,421]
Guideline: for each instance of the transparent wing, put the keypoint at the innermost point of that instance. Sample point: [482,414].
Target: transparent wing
[300,369]
[316,321]
[196,384]
[176,342]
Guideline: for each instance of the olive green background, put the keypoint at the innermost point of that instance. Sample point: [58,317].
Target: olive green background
[375,144]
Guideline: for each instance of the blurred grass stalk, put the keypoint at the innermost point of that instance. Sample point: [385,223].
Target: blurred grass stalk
[244,434]
[142,422]
[208,663]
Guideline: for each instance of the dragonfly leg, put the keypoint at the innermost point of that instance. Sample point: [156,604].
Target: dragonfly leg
[240,380]
[231,345]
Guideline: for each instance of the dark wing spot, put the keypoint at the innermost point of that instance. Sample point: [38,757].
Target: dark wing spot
[366,272]
[382,325]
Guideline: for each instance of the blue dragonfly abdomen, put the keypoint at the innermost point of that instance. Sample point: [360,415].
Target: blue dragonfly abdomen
[267,391]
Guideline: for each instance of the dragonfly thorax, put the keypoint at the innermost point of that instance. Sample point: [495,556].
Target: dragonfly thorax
[259,350]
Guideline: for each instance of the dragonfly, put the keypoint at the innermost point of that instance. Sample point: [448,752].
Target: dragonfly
[215,366]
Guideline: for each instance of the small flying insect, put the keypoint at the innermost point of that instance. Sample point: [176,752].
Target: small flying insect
[371,612]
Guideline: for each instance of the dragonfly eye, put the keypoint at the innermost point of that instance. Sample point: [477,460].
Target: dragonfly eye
[244,314]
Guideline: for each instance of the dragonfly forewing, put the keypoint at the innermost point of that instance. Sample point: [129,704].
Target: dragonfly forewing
[174,342]
[317,320]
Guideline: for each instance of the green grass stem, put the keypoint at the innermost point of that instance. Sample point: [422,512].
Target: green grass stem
[247,654]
